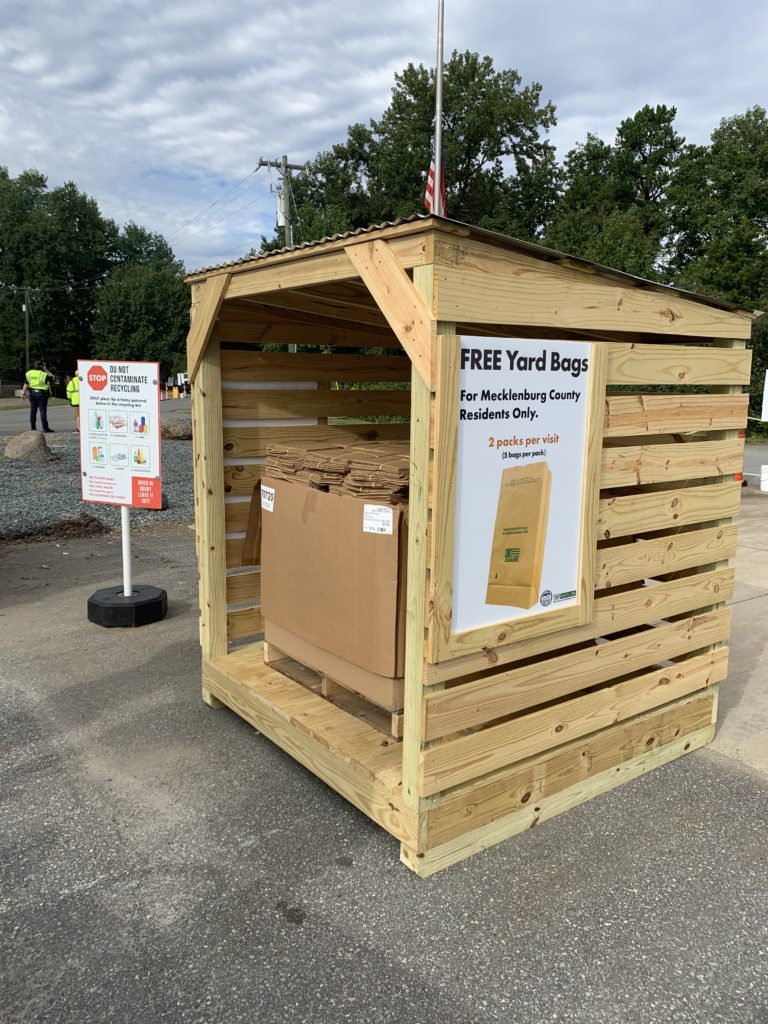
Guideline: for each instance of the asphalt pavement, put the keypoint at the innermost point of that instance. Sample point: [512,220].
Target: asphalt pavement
[163,862]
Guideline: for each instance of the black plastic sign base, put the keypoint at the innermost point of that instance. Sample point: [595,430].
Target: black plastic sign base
[110,607]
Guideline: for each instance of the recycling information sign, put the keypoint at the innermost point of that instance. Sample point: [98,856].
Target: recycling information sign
[120,433]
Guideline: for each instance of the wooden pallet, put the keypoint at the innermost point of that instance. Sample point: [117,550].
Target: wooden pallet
[388,722]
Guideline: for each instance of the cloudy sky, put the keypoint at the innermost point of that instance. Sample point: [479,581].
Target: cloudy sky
[160,109]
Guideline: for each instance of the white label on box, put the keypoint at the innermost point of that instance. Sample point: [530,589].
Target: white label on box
[377,519]
[268,499]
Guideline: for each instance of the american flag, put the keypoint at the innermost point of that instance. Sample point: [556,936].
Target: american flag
[429,194]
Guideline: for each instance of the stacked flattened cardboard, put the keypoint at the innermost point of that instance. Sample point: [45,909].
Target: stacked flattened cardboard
[376,470]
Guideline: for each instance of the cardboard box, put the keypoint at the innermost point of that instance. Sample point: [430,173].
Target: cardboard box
[333,573]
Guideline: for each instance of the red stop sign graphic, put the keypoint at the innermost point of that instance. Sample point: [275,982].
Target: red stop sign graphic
[97,378]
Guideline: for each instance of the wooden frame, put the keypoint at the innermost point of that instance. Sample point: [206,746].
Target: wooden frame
[512,725]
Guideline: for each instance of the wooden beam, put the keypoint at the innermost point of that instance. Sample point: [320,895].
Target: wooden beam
[627,415]
[480,283]
[206,315]
[505,693]
[664,463]
[677,364]
[322,306]
[326,368]
[209,502]
[614,611]
[405,310]
[319,265]
[642,559]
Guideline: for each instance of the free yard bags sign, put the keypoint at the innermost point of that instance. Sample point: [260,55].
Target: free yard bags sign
[120,433]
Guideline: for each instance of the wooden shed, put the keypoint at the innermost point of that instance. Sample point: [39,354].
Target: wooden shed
[505,723]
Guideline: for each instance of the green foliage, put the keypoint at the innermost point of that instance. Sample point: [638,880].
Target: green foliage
[720,202]
[614,207]
[142,313]
[56,243]
[85,280]
[499,171]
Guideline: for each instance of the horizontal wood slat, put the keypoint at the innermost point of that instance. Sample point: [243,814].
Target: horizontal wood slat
[264,405]
[253,441]
[677,364]
[644,559]
[663,414]
[452,763]
[484,700]
[613,612]
[244,622]
[658,463]
[239,481]
[315,266]
[526,788]
[234,552]
[291,366]
[245,586]
[236,516]
[479,285]
[659,510]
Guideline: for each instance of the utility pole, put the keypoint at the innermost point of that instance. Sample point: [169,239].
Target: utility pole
[284,219]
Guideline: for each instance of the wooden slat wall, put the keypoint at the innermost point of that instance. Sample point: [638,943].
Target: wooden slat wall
[506,718]
[260,407]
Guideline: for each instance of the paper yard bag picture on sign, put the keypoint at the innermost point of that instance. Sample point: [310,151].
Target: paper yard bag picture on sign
[120,436]
[521,484]
[520,536]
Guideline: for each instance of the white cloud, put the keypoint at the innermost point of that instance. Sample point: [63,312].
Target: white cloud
[158,107]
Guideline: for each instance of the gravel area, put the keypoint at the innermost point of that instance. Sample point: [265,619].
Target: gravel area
[38,496]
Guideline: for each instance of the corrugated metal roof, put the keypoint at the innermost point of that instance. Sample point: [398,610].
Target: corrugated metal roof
[496,237]
[313,244]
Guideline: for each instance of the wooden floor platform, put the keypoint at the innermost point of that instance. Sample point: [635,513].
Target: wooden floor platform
[353,757]
[365,766]
[388,722]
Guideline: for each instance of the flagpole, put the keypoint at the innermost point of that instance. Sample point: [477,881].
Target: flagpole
[438,191]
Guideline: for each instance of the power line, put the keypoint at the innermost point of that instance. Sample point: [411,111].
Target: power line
[211,205]
[209,225]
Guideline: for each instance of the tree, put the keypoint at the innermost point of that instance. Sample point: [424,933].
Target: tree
[498,166]
[142,309]
[720,242]
[614,207]
[87,281]
[54,246]
[720,201]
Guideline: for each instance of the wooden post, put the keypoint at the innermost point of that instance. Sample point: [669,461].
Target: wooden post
[209,502]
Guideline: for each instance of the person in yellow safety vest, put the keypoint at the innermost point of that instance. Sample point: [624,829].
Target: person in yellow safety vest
[73,394]
[37,389]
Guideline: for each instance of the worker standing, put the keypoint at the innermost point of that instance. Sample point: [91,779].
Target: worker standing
[73,394]
[37,389]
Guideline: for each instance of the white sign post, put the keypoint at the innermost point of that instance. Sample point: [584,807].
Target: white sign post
[120,465]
